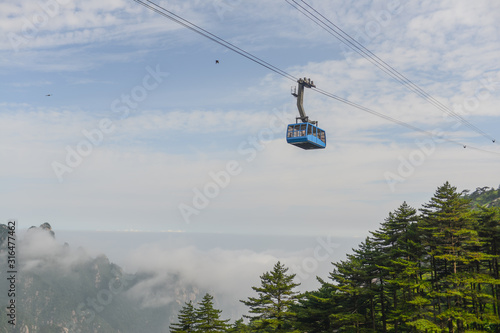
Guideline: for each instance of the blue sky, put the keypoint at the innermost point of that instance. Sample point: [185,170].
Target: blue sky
[191,126]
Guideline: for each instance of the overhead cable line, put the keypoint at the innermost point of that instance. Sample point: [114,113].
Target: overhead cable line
[399,122]
[352,43]
[191,26]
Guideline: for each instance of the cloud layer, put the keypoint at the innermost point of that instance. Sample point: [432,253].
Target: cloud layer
[201,116]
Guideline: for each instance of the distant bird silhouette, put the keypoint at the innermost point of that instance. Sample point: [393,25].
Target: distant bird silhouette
[216,61]
[48,95]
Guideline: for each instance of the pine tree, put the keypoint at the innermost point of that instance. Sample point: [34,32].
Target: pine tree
[275,299]
[315,308]
[452,242]
[371,258]
[187,320]
[428,273]
[208,318]
[400,252]
[240,327]
[354,293]
[489,231]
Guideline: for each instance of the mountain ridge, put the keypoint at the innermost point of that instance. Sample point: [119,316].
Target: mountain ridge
[484,197]
[60,289]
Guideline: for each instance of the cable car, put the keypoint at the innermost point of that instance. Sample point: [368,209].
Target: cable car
[305,135]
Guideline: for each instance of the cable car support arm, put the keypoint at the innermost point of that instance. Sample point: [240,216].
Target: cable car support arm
[299,93]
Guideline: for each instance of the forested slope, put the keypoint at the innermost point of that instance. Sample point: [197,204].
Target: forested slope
[432,269]
[429,270]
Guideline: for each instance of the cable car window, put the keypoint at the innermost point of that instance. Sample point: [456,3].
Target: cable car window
[322,135]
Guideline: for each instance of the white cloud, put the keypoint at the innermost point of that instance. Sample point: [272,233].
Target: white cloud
[136,174]
[40,251]
[226,274]
[158,155]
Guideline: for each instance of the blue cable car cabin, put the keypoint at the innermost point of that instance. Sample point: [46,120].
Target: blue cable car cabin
[306,136]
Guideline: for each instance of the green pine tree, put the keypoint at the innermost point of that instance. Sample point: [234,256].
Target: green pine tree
[449,233]
[272,307]
[208,318]
[400,257]
[430,273]
[351,297]
[239,326]
[187,320]
[489,230]
[315,308]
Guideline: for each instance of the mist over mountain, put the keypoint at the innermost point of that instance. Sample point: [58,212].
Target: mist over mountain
[61,289]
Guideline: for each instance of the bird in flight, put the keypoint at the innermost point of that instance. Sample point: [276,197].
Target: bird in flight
[216,61]
[48,95]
